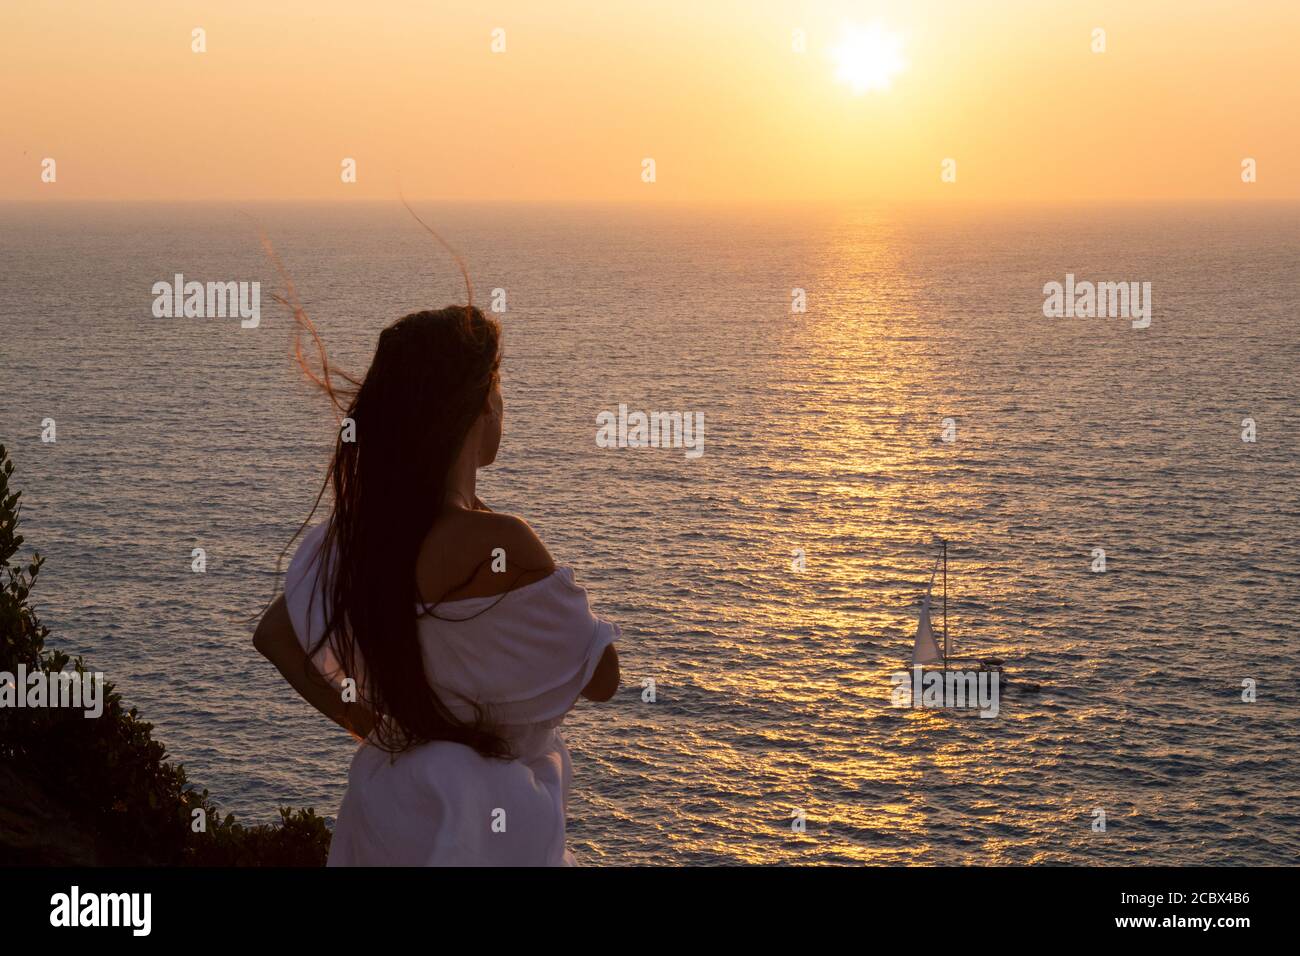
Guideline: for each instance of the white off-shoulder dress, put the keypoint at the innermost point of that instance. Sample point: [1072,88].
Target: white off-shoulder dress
[525,659]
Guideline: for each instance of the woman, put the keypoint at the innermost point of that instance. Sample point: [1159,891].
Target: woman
[438,632]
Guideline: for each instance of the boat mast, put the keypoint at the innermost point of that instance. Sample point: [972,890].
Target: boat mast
[945,603]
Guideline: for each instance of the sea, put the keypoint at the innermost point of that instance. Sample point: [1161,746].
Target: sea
[1120,505]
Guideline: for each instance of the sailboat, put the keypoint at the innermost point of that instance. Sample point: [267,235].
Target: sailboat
[926,649]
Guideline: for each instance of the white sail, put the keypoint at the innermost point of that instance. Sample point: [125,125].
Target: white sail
[925,650]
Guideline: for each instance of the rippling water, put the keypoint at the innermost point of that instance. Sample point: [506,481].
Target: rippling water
[822,434]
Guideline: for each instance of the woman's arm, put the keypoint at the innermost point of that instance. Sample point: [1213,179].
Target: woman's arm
[277,642]
[604,682]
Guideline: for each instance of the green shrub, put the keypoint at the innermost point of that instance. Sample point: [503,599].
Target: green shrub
[108,775]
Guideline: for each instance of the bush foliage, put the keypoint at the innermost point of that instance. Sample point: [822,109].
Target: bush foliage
[108,773]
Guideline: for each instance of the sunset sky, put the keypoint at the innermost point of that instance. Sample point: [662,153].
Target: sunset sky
[712,91]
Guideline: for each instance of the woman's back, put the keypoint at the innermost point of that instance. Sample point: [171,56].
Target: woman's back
[516,658]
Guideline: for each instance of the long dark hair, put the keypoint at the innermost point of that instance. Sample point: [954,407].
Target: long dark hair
[406,419]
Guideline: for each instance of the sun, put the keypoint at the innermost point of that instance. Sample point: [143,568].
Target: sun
[868,58]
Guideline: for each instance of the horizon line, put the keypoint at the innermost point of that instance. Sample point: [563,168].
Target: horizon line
[576,201]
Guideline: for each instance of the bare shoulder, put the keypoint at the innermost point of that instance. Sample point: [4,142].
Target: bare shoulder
[510,533]
[479,554]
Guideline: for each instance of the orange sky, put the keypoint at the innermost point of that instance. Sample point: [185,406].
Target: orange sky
[711,89]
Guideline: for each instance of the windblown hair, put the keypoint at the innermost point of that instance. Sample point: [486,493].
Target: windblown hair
[427,384]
